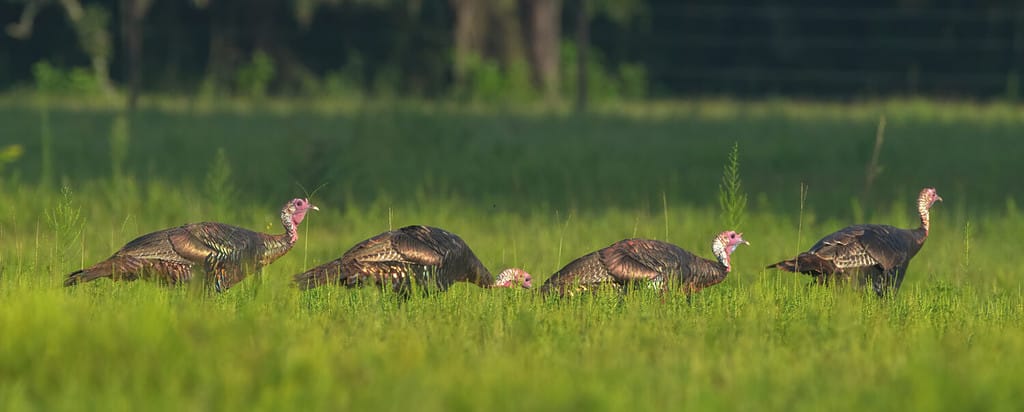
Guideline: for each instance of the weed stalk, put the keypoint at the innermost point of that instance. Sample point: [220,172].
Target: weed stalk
[730,195]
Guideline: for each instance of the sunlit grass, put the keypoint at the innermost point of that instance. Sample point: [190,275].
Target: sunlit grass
[525,190]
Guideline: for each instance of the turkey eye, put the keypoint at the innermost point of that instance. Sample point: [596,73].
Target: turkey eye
[298,203]
[732,236]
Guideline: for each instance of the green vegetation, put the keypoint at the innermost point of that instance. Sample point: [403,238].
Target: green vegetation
[523,189]
[731,198]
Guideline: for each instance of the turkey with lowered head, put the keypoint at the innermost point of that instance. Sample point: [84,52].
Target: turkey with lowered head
[429,256]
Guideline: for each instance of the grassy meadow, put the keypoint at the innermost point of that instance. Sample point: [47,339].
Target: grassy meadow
[526,188]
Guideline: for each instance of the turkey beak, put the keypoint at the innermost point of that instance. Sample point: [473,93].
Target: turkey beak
[939,198]
[314,207]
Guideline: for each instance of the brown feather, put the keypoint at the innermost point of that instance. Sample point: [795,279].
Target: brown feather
[428,256]
[223,253]
[859,253]
[636,260]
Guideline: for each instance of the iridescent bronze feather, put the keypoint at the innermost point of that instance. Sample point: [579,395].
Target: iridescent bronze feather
[862,253]
[430,257]
[643,261]
[223,254]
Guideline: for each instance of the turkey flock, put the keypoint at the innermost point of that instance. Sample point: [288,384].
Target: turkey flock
[433,259]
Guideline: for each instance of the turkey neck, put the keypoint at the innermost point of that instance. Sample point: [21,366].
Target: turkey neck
[709,272]
[479,275]
[278,245]
[921,233]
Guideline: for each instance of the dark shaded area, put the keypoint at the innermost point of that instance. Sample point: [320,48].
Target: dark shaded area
[805,48]
[809,48]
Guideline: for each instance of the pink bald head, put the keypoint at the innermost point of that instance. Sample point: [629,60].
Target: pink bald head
[731,239]
[292,214]
[297,208]
[928,197]
[512,277]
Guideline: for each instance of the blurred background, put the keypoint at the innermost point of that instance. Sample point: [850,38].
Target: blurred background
[572,51]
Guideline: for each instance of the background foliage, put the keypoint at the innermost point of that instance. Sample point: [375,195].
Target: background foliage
[476,49]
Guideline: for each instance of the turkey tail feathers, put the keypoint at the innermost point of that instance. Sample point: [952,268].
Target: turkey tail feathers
[85,275]
[805,263]
[329,272]
[787,265]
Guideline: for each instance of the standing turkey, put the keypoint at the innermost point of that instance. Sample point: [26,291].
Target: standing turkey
[880,253]
[659,264]
[429,256]
[224,254]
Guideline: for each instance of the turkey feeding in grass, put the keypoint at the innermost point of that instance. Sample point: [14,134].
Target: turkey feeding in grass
[224,254]
[427,256]
[879,253]
[651,262]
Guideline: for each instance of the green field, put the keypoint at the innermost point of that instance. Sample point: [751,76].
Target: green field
[523,188]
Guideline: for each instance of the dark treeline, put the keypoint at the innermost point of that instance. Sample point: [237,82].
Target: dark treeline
[516,49]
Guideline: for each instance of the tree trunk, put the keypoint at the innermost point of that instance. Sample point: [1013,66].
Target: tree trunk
[22,29]
[133,12]
[507,33]
[544,18]
[469,33]
[91,27]
[582,44]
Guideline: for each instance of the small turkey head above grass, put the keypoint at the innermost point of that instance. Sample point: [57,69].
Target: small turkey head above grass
[726,243]
[293,213]
[930,196]
[512,277]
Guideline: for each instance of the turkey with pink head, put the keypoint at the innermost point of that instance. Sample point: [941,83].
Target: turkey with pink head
[427,256]
[224,254]
[879,253]
[655,263]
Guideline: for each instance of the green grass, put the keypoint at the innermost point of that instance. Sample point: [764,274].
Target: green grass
[523,189]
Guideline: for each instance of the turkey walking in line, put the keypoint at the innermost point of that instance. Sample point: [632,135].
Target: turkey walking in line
[224,254]
[428,256]
[659,264]
[880,253]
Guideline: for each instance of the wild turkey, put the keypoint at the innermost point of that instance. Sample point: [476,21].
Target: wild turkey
[429,256]
[880,253]
[658,264]
[225,254]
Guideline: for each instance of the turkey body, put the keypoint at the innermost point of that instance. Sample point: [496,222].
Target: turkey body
[635,262]
[878,254]
[430,257]
[861,253]
[222,254]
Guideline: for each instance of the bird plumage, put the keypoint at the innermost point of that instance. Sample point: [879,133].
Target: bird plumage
[631,261]
[870,252]
[223,254]
[430,257]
